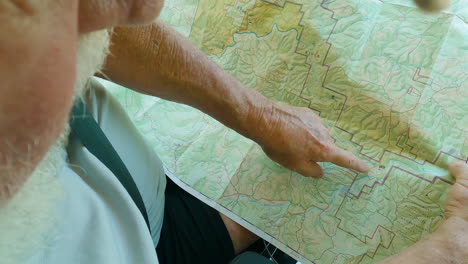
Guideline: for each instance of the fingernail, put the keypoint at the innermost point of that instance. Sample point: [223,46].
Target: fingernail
[365,167]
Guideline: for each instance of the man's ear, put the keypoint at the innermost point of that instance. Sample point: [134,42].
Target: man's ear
[433,5]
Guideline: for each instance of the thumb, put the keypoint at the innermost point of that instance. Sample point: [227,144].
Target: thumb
[457,200]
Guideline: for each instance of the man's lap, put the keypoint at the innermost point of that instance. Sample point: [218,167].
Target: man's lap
[192,231]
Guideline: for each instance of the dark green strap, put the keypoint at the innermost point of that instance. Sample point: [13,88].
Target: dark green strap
[93,138]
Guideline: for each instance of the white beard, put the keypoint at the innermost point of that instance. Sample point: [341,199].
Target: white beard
[29,217]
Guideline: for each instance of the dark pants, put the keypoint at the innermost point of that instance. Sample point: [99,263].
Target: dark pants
[192,232]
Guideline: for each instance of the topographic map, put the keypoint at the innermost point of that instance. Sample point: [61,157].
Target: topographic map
[390,83]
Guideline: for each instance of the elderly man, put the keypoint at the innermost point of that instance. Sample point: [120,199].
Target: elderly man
[62,203]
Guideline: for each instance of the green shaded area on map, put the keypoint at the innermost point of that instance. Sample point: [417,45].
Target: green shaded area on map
[390,82]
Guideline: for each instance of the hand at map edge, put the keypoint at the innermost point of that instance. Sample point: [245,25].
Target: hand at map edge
[448,243]
[457,200]
[296,138]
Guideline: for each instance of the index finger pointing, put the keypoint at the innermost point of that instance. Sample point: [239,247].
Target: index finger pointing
[347,159]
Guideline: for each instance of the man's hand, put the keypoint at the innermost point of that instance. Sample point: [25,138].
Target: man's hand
[296,138]
[457,201]
[156,60]
[449,243]
[453,231]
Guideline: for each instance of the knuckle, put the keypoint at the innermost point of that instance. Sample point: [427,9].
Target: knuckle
[324,151]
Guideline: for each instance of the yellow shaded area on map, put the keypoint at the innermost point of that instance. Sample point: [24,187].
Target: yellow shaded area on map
[263,15]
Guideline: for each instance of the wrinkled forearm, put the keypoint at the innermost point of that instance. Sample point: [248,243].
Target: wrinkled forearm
[156,60]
